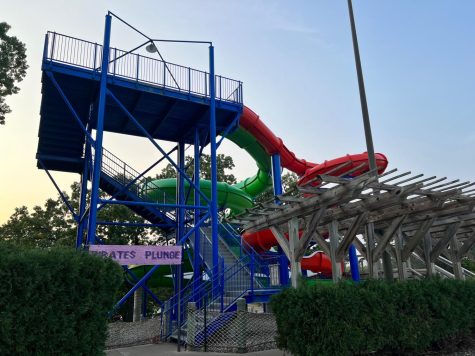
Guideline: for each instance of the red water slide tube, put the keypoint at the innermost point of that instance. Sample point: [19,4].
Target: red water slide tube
[263,240]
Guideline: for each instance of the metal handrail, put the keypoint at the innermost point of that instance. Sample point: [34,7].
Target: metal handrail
[144,69]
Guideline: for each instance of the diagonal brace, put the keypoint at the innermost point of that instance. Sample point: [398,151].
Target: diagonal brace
[388,234]
[412,243]
[280,237]
[350,235]
[309,232]
[70,107]
[444,241]
[467,245]
[157,146]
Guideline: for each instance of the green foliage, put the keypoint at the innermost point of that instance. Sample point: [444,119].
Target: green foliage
[289,185]
[469,264]
[54,225]
[374,316]
[55,302]
[12,67]
[224,163]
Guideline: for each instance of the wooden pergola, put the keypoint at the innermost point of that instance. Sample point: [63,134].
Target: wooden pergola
[403,215]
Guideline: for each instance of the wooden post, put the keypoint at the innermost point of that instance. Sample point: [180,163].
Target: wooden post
[430,266]
[456,260]
[295,270]
[334,241]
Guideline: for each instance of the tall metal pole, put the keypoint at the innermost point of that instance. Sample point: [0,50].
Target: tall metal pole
[96,172]
[214,169]
[367,125]
[364,104]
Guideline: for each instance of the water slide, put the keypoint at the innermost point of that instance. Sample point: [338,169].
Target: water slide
[261,143]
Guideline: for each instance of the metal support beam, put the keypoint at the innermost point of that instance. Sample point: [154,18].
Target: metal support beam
[214,170]
[196,217]
[96,172]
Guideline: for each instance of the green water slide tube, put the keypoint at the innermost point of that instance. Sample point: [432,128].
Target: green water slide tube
[237,197]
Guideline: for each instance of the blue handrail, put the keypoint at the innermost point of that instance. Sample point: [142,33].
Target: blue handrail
[83,54]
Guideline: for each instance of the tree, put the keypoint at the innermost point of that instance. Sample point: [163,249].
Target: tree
[12,67]
[289,185]
[53,224]
[224,163]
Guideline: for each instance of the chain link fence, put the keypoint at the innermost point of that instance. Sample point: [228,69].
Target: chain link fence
[237,332]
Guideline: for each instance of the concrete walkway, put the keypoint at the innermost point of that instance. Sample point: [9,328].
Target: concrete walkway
[167,349]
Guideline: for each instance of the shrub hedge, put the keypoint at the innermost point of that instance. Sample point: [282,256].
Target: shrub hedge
[55,302]
[373,316]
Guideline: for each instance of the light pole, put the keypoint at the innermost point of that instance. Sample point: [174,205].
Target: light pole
[388,269]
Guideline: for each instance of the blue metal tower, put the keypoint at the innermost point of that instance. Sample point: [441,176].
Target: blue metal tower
[89,89]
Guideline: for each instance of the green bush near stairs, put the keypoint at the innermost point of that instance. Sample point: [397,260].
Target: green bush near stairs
[374,316]
[55,302]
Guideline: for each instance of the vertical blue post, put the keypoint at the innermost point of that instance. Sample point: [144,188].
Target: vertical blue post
[96,172]
[197,202]
[83,194]
[277,184]
[180,212]
[214,169]
[355,272]
[180,231]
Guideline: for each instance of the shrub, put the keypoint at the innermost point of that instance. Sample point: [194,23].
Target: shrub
[55,301]
[373,316]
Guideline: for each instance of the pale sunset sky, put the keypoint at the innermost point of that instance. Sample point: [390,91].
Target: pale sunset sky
[296,61]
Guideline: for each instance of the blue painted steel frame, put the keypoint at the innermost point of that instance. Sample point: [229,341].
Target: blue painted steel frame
[355,271]
[214,170]
[277,185]
[96,171]
[87,218]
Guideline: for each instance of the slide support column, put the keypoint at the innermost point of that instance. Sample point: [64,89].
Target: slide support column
[277,185]
[96,173]
[214,169]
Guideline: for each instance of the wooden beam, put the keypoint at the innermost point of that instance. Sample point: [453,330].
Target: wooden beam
[325,246]
[360,246]
[334,240]
[455,257]
[280,237]
[309,232]
[414,241]
[467,245]
[388,234]
[444,241]
[430,267]
[295,270]
[401,265]
[336,195]
[350,235]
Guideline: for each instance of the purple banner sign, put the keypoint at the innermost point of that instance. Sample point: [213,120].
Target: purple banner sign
[139,255]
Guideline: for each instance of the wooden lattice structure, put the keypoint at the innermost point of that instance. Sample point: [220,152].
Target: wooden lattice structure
[403,215]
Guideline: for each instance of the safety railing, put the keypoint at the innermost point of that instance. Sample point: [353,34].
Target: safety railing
[132,66]
[127,176]
[204,293]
